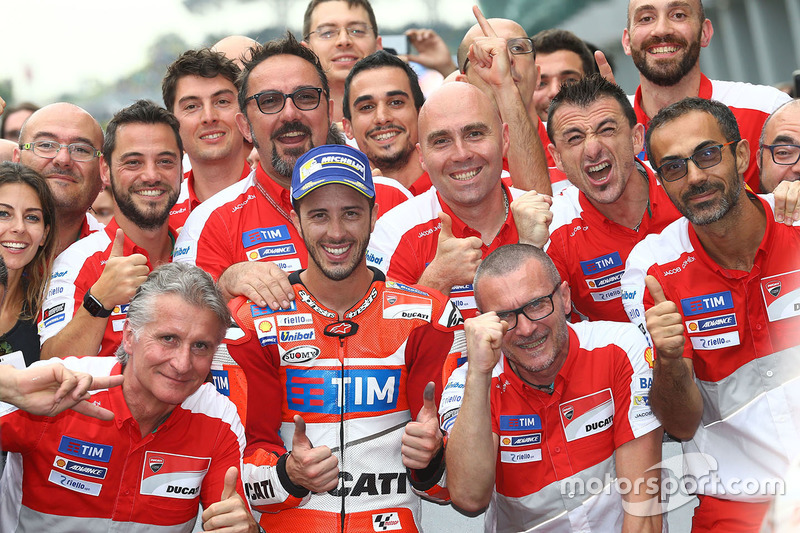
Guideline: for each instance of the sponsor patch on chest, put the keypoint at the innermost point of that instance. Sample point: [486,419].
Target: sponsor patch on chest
[173,476]
[782,295]
[587,415]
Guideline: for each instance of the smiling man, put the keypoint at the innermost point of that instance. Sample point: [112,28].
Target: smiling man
[200,89]
[664,38]
[340,32]
[779,147]
[94,279]
[62,142]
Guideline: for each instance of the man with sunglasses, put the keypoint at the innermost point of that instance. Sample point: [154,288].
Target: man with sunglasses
[718,293]
[285,111]
[62,142]
[779,148]
[497,56]
[549,409]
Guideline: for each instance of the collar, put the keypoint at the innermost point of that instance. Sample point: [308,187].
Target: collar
[311,301]
[273,190]
[705,91]
[189,179]
[422,184]
[506,234]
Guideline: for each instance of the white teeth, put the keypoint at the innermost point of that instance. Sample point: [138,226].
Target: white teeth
[15,245]
[212,136]
[149,192]
[534,344]
[385,136]
[465,175]
[293,134]
[599,167]
[343,59]
[664,50]
[336,251]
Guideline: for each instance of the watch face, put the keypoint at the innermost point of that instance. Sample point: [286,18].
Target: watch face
[94,307]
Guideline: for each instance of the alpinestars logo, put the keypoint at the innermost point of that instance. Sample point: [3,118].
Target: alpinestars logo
[386,522]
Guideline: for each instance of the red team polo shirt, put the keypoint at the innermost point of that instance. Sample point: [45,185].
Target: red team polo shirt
[590,251]
[84,474]
[552,444]
[739,328]
[404,241]
[187,201]
[75,270]
[751,105]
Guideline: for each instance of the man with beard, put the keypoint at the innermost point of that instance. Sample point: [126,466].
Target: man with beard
[549,408]
[355,384]
[244,233]
[382,98]
[62,142]
[664,38]
[718,293]
[94,279]
[779,147]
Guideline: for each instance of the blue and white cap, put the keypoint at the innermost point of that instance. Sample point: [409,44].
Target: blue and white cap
[332,163]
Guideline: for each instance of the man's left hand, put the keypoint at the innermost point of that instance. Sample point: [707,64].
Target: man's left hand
[230,513]
[422,439]
[532,216]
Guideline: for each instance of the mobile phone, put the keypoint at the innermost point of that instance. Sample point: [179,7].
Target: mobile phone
[396,43]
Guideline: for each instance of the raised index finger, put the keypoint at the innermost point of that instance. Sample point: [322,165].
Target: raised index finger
[488,31]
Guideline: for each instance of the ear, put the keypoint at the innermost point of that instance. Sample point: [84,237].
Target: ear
[462,77]
[244,127]
[44,235]
[421,159]
[15,154]
[556,156]
[706,33]
[626,42]
[347,126]
[374,218]
[330,110]
[296,221]
[742,156]
[637,138]
[506,141]
[127,338]
[105,172]
[566,295]
[379,43]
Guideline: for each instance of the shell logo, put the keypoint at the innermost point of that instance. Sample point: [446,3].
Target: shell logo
[61,463]
[693,326]
[265,326]
[506,441]
[648,356]
[592,284]
[253,255]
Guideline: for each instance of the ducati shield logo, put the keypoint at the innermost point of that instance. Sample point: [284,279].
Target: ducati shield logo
[155,464]
[341,329]
[568,411]
[391,298]
[774,288]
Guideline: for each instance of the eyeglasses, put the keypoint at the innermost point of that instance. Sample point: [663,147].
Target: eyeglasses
[50,149]
[707,157]
[270,102]
[784,154]
[517,46]
[534,310]
[354,31]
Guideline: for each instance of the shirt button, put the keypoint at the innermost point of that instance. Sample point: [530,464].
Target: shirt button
[769,373]
[558,450]
[758,327]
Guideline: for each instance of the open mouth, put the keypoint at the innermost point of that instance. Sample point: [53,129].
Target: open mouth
[14,245]
[337,251]
[599,173]
[663,49]
[150,193]
[534,344]
[212,136]
[466,175]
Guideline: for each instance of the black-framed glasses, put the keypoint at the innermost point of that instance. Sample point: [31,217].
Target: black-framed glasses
[534,310]
[706,157]
[516,46]
[270,102]
[354,31]
[784,154]
[50,149]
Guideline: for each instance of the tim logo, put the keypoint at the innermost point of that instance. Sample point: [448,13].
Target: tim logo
[601,264]
[264,235]
[85,450]
[386,522]
[520,422]
[697,305]
[314,390]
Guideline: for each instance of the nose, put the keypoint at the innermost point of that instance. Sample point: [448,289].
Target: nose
[461,151]
[694,174]
[593,147]
[62,158]
[382,113]
[343,38]
[181,360]
[662,25]
[290,112]
[336,229]
[209,114]
[525,326]
[17,224]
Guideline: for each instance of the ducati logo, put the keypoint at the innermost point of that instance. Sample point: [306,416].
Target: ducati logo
[567,411]
[774,288]
[341,329]
[391,299]
[155,464]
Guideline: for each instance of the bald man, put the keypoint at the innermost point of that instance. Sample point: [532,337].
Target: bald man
[7,150]
[779,147]
[62,142]
[235,48]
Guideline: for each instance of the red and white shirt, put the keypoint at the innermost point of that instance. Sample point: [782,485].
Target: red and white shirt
[751,104]
[249,221]
[552,443]
[187,200]
[741,332]
[79,473]
[405,239]
[590,250]
[75,270]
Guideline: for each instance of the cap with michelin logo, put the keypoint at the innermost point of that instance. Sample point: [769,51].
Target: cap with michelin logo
[332,163]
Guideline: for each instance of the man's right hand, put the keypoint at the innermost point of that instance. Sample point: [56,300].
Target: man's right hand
[484,340]
[456,259]
[263,283]
[664,322]
[121,276]
[314,468]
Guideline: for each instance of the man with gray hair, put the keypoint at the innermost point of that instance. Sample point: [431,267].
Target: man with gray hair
[144,472]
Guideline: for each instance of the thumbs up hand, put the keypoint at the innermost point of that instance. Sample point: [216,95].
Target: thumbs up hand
[314,468]
[121,275]
[230,513]
[456,259]
[422,439]
[664,322]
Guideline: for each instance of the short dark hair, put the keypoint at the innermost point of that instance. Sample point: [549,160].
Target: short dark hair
[203,62]
[287,45]
[553,40]
[23,106]
[380,59]
[725,118]
[587,91]
[510,258]
[312,5]
[139,112]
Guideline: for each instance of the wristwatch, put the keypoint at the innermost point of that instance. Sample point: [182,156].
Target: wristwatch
[93,305]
